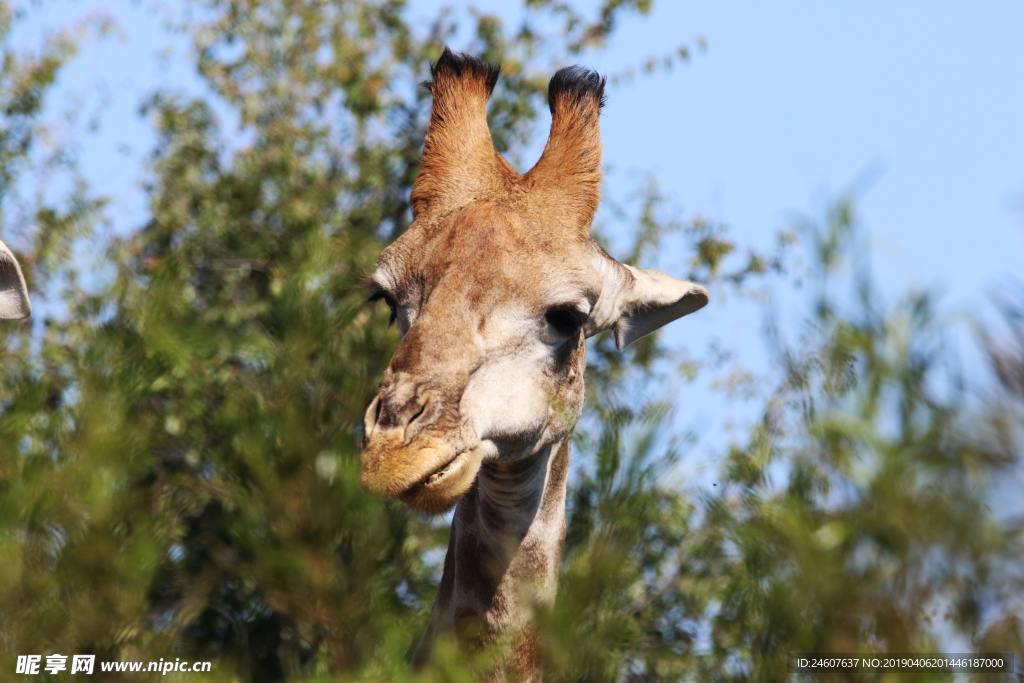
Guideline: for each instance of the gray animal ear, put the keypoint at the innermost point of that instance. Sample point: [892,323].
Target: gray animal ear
[635,302]
[14,303]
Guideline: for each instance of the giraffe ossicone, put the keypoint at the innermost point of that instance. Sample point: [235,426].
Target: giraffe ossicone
[494,288]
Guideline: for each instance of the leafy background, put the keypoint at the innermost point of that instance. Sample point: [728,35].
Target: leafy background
[178,449]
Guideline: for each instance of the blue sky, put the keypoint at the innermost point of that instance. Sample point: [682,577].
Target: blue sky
[788,105]
[790,102]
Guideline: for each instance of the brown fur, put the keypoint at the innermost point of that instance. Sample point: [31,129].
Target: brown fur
[565,185]
[462,266]
[477,223]
[460,165]
[459,161]
[495,286]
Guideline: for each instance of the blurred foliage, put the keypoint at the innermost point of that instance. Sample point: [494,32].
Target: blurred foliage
[178,449]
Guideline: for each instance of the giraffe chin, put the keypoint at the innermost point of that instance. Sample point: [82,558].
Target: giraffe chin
[443,488]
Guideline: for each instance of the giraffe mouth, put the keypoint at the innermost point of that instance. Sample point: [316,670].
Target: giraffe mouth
[438,476]
[440,489]
[442,472]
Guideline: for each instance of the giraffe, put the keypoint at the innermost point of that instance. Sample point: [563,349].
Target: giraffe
[14,303]
[494,288]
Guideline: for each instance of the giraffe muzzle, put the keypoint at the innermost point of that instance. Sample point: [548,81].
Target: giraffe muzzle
[408,455]
[429,475]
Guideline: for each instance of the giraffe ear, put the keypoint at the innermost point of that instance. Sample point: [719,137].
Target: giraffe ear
[635,302]
[14,303]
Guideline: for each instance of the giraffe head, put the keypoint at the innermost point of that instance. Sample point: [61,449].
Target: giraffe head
[494,289]
[14,303]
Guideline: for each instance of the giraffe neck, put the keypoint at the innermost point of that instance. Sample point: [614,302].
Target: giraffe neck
[503,555]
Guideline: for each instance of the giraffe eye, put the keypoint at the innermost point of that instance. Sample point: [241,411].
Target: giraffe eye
[566,320]
[381,295]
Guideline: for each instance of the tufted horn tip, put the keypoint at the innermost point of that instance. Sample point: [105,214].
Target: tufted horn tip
[460,67]
[576,85]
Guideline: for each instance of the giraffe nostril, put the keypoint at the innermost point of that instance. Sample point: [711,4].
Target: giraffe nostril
[370,423]
[391,410]
[415,422]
